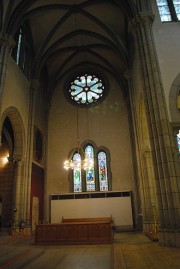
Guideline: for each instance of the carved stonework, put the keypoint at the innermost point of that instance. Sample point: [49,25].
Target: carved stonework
[146,18]
[147,154]
[143,18]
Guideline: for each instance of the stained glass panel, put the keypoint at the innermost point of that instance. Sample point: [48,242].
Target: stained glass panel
[178,140]
[102,165]
[86,89]
[164,11]
[90,174]
[19,46]
[77,173]
[177,8]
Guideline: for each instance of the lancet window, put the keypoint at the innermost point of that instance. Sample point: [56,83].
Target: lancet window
[91,170]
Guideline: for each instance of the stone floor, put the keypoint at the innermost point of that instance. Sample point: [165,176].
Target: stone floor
[129,251]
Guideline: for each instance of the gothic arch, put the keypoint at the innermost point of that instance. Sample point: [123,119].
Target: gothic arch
[18,128]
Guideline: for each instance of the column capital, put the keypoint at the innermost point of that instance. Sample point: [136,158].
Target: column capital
[145,18]
[17,162]
[142,18]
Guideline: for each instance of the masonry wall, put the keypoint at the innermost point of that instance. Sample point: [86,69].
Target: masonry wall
[167,40]
[16,91]
[108,126]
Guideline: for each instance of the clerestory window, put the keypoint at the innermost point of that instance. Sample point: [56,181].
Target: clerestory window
[169,10]
[178,140]
[21,51]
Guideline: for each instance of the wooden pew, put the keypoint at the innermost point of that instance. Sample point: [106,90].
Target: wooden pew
[79,231]
[87,219]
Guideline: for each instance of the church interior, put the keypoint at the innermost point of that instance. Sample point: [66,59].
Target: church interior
[90,114]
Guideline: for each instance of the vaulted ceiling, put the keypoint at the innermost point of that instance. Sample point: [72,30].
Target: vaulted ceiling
[69,35]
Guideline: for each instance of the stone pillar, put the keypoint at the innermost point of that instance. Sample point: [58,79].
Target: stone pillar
[18,190]
[29,149]
[137,198]
[148,192]
[6,44]
[144,5]
[160,133]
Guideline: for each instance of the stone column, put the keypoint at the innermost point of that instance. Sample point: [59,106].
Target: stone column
[137,198]
[160,133]
[18,190]
[6,44]
[29,149]
[148,191]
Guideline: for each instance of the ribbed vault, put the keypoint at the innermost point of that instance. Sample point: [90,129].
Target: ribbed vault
[72,34]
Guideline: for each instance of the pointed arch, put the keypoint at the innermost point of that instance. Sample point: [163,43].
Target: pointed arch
[18,128]
[90,176]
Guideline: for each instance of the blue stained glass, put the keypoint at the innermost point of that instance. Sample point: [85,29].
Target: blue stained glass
[19,46]
[102,164]
[90,175]
[77,173]
[86,89]
[178,140]
[164,11]
[177,8]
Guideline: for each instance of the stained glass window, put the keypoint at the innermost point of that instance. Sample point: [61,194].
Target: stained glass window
[86,89]
[102,165]
[90,175]
[77,173]
[21,51]
[90,170]
[177,8]
[164,10]
[169,10]
[19,46]
[178,140]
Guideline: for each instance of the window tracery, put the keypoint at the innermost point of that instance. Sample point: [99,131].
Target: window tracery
[86,89]
[96,176]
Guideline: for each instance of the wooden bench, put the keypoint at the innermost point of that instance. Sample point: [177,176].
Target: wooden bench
[109,219]
[79,231]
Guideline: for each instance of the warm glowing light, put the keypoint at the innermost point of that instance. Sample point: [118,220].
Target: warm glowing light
[68,164]
[4,160]
[81,164]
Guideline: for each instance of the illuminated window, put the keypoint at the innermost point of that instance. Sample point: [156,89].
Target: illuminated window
[90,173]
[102,169]
[178,140]
[86,89]
[169,10]
[91,170]
[21,51]
[177,8]
[19,47]
[77,173]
